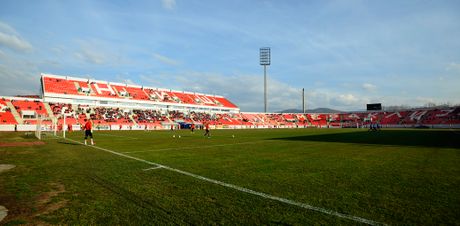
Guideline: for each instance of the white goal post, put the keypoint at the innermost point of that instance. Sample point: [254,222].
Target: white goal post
[64,116]
[45,125]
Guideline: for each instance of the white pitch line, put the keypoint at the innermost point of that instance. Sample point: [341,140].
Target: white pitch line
[246,190]
[453,131]
[194,147]
[153,168]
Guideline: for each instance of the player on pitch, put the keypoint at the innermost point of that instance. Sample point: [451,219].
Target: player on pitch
[88,131]
[206,126]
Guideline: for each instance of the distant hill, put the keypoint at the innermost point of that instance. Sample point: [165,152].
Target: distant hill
[316,110]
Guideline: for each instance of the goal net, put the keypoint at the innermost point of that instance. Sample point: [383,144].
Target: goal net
[46,127]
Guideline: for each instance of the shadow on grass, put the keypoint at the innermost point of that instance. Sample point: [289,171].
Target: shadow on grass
[68,143]
[422,138]
[162,216]
[28,136]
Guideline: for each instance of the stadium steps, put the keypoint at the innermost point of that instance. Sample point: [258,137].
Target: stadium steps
[77,86]
[307,120]
[14,112]
[48,110]
[132,118]
[117,92]
[143,90]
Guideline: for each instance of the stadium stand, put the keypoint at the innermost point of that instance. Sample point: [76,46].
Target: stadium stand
[122,106]
[59,85]
[6,117]
[392,118]
[70,87]
[36,106]
[110,116]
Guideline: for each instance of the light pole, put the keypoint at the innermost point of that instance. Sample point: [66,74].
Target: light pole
[303,100]
[265,61]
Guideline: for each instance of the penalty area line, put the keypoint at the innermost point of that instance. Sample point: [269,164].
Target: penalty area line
[153,168]
[245,190]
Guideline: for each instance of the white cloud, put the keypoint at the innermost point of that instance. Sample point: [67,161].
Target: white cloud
[165,60]
[453,66]
[58,50]
[11,39]
[129,82]
[424,100]
[148,80]
[124,78]
[98,52]
[91,56]
[346,100]
[169,4]
[7,28]
[21,78]
[246,91]
[369,87]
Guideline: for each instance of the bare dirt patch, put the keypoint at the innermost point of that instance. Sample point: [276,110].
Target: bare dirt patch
[44,201]
[21,144]
[29,212]
[3,212]
[5,167]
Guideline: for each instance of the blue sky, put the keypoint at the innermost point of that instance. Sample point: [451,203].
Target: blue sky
[344,53]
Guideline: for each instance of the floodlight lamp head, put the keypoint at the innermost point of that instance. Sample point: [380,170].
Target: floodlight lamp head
[265,56]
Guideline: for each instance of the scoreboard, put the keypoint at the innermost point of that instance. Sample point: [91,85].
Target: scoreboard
[374,107]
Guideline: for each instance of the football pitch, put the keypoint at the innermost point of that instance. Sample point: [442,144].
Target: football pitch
[236,177]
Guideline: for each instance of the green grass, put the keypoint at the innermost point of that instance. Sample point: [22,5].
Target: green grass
[396,177]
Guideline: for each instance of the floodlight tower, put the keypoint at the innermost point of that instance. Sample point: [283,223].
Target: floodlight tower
[303,100]
[265,61]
